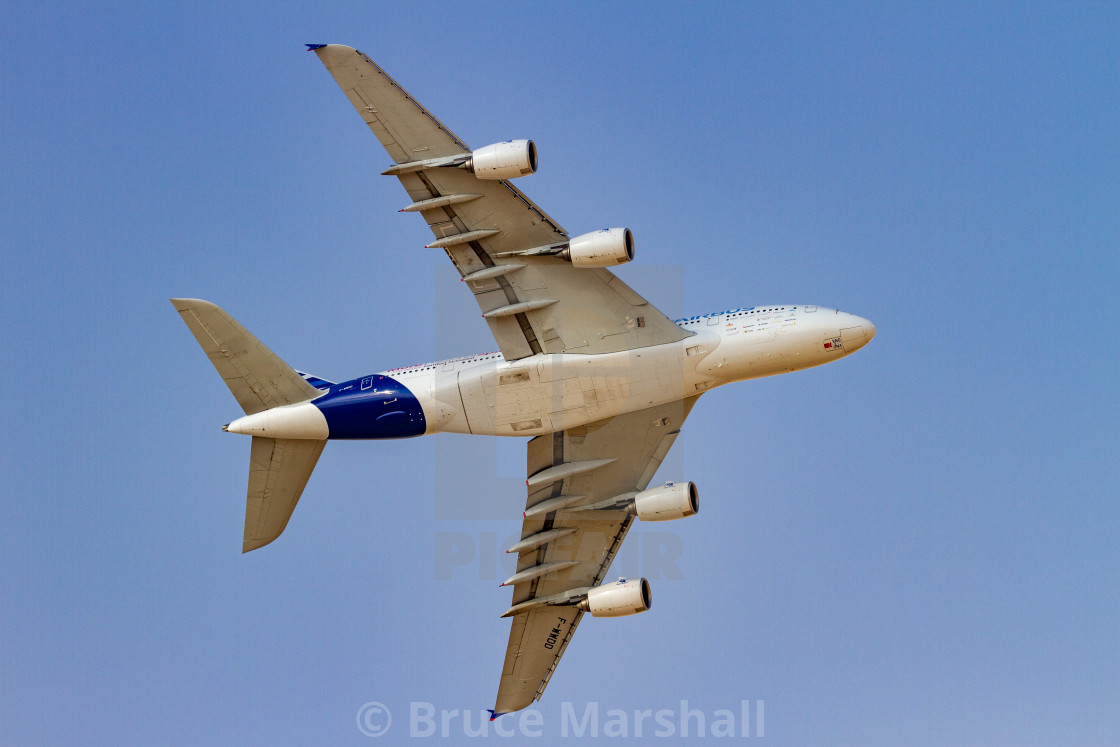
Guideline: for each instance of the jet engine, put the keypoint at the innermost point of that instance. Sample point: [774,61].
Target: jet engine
[618,598]
[673,500]
[605,248]
[507,160]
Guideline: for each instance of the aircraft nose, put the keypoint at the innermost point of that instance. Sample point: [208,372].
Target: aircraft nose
[857,333]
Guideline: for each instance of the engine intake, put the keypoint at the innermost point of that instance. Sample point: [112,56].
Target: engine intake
[618,598]
[605,248]
[673,500]
[507,160]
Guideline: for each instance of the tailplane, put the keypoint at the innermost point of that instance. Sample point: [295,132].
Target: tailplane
[278,472]
[278,468]
[258,378]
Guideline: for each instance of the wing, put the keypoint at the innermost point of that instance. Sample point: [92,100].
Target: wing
[596,463]
[533,304]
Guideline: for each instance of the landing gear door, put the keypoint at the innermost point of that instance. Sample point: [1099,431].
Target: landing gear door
[851,335]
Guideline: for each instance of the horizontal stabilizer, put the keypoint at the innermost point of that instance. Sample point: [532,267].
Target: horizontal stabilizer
[278,472]
[258,378]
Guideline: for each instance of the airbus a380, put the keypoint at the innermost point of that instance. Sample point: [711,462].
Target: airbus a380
[597,377]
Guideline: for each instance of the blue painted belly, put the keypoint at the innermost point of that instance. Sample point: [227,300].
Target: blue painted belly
[372,407]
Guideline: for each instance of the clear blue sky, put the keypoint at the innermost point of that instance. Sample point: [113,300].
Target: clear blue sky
[914,545]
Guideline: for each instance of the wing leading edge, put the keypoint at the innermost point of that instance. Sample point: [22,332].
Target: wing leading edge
[618,455]
[532,304]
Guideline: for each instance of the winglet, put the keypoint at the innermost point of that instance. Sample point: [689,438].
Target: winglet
[313,47]
[495,714]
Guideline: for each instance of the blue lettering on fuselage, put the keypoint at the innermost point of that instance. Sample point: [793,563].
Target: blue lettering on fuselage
[384,408]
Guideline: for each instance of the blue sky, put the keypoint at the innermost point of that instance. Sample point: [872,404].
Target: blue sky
[916,544]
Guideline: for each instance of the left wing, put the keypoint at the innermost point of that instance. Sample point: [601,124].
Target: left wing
[595,462]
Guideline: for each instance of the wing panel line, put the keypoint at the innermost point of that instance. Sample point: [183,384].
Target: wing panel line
[414,102]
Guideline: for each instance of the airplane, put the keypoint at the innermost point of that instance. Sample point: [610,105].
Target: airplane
[598,379]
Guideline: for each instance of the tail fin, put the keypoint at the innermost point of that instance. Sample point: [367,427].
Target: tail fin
[260,380]
[315,381]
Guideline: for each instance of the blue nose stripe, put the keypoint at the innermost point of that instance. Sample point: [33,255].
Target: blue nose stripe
[385,408]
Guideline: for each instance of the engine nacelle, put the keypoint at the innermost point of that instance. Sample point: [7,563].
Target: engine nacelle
[673,500]
[605,248]
[507,160]
[618,598]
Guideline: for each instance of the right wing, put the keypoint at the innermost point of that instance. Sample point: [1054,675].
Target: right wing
[629,449]
[533,304]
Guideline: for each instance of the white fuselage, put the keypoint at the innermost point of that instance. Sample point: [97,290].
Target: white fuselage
[487,395]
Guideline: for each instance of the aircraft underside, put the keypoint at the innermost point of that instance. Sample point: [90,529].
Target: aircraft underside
[546,393]
[596,379]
